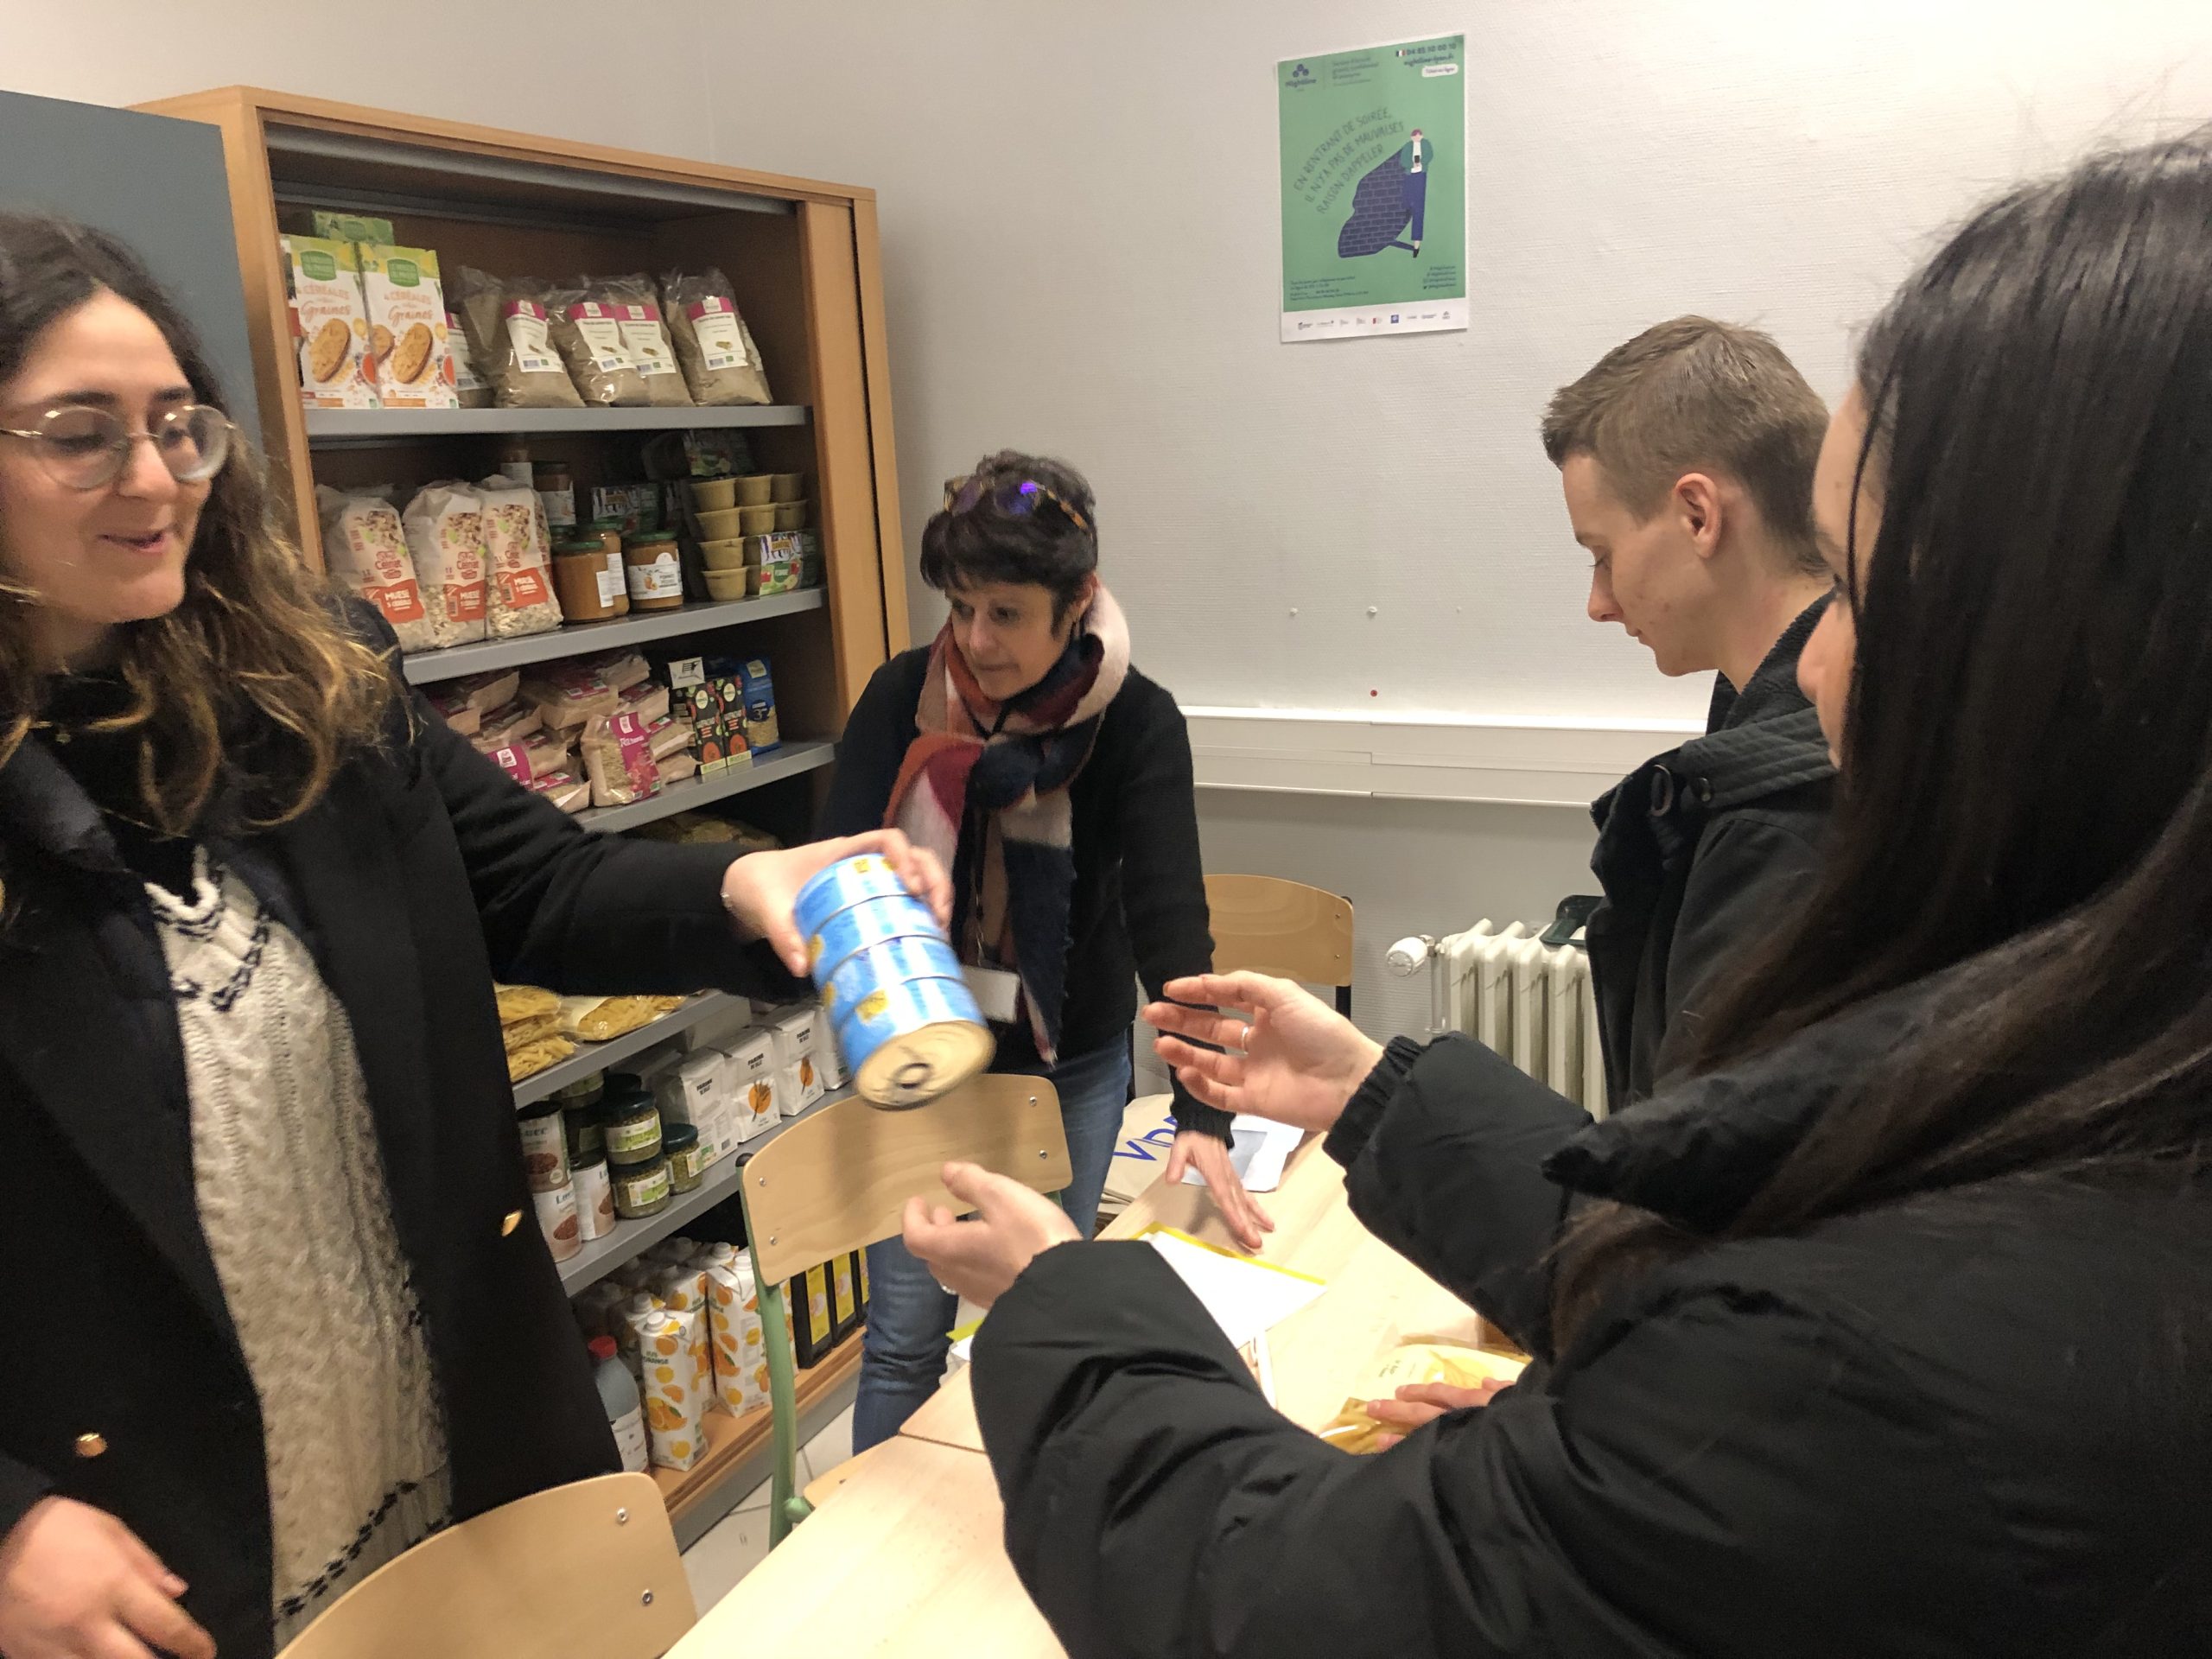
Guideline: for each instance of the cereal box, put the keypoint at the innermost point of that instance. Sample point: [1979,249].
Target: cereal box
[676,1393]
[336,369]
[407,327]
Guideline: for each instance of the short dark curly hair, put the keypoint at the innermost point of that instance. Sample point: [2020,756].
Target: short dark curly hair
[1045,546]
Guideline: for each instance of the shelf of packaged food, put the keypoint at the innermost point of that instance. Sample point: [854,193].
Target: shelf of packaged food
[785,760]
[600,1057]
[357,426]
[631,1238]
[428,667]
[731,1441]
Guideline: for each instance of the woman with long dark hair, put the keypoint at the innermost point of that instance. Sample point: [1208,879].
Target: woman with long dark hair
[1891,1329]
[279,1310]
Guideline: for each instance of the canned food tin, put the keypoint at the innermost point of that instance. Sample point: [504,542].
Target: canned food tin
[847,882]
[872,921]
[556,1218]
[909,1042]
[894,962]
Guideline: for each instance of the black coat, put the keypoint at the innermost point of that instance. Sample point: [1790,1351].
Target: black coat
[1699,851]
[422,874]
[1970,1423]
[1139,908]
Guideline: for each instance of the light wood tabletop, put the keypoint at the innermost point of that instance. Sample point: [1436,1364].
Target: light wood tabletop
[906,1557]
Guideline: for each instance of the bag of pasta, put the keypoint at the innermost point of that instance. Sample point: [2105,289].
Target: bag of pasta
[1412,1361]
[721,362]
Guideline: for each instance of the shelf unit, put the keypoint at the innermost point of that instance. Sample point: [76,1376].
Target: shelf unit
[631,1238]
[580,638]
[787,760]
[328,427]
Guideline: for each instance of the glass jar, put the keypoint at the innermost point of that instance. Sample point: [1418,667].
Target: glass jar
[580,1103]
[556,491]
[583,584]
[642,1190]
[609,533]
[654,570]
[629,1125]
[687,1159]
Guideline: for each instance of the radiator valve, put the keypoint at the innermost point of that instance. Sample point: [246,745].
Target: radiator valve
[1408,955]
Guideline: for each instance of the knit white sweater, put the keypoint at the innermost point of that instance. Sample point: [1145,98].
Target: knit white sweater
[296,1213]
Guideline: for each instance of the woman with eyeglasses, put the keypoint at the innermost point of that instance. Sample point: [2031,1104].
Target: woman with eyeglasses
[279,1305]
[1054,781]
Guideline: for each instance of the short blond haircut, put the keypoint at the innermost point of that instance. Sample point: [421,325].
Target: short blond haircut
[1691,394]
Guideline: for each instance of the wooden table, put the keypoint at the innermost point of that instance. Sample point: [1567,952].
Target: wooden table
[906,1557]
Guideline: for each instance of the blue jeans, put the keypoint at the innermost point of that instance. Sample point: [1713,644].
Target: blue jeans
[903,1350]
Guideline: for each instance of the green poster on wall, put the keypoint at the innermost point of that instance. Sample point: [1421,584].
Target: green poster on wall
[1375,190]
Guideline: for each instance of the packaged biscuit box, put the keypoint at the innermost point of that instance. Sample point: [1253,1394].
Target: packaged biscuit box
[676,1393]
[407,327]
[336,369]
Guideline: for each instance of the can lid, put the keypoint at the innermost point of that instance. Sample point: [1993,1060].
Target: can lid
[603,1347]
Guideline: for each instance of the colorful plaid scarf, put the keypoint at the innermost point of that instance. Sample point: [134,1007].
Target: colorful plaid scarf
[984,786]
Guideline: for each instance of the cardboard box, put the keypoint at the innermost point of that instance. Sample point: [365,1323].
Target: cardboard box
[336,371]
[407,327]
[350,227]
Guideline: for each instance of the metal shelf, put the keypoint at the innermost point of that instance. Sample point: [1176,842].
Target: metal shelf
[428,667]
[601,1057]
[631,1238]
[352,428]
[787,761]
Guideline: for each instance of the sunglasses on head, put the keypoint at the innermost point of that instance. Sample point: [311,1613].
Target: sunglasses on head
[1013,497]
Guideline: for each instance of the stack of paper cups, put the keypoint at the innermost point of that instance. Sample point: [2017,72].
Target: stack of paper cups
[898,1006]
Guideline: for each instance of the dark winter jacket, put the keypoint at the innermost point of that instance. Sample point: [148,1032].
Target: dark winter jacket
[1972,1422]
[1699,851]
[1139,908]
[421,875]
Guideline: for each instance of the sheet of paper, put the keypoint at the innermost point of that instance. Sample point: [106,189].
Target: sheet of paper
[1245,1297]
[1258,1149]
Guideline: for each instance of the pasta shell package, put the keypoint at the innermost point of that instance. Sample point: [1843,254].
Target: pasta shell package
[336,368]
[1413,1360]
[367,550]
[407,327]
[676,1395]
[445,536]
[518,555]
[636,309]
[589,339]
[740,1341]
[509,336]
[721,363]
[619,761]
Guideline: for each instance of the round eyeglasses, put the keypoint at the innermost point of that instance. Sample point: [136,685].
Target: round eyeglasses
[84,448]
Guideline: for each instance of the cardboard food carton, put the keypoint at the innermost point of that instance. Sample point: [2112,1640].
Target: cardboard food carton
[336,369]
[407,327]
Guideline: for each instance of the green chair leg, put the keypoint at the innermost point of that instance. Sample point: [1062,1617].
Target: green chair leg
[782,1408]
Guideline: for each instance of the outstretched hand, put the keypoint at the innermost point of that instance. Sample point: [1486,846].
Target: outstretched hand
[759,889]
[1293,1058]
[1209,1155]
[981,1258]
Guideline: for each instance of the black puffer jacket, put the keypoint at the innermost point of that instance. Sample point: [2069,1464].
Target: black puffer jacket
[1970,1423]
[1699,850]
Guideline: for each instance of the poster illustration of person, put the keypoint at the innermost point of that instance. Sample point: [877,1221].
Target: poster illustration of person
[1374,190]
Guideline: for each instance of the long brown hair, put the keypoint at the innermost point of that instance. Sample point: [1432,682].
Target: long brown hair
[254,670]
[2028,802]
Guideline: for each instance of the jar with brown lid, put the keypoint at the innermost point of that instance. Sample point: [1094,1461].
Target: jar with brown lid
[654,570]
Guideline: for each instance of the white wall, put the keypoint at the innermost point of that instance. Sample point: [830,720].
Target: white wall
[1079,219]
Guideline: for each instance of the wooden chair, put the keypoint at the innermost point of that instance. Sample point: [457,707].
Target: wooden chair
[839,1181]
[1262,924]
[591,1567]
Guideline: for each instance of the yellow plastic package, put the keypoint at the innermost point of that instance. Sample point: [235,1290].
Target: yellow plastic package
[1410,1361]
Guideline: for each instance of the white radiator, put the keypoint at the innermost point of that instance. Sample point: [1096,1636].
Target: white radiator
[1530,1002]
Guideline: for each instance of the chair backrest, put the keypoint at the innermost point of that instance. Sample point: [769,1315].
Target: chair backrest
[1264,924]
[840,1180]
[591,1567]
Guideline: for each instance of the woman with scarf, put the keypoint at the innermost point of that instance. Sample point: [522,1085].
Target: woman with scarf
[1054,781]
